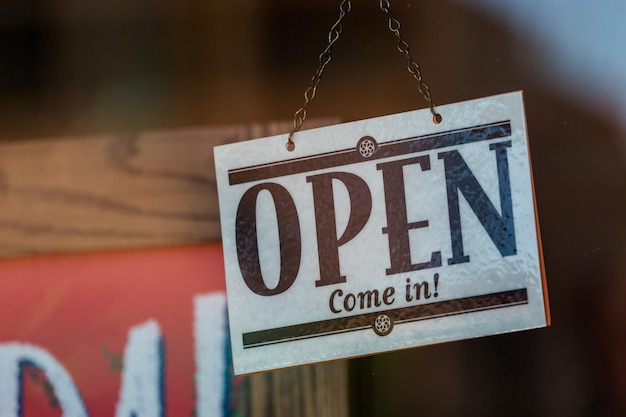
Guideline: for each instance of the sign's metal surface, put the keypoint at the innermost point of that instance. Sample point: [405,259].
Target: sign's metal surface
[381,234]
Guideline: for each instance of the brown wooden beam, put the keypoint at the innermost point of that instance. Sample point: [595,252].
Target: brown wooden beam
[116,191]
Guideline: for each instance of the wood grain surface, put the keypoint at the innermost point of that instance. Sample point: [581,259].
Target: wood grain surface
[115,192]
[309,391]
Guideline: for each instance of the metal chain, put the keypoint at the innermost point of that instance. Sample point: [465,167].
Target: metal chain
[412,66]
[324,59]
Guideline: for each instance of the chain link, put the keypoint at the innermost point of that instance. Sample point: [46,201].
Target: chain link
[412,66]
[325,57]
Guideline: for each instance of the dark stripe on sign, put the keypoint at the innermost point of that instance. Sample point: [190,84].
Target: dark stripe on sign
[384,150]
[429,311]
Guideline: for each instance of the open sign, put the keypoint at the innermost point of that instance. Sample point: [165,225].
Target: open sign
[392,227]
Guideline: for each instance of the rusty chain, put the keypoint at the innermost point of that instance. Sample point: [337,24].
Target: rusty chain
[325,57]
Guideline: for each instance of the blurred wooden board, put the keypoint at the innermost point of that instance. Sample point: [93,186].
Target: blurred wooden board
[116,191]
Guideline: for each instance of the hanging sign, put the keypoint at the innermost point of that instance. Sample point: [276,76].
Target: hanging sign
[381,234]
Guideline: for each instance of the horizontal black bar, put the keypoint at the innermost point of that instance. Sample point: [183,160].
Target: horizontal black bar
[464,305]
[385,150]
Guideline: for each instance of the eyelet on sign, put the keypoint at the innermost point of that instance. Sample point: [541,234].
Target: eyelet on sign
[382,325]
[366,146]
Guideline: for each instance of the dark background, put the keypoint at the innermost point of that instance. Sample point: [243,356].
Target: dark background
[73,67]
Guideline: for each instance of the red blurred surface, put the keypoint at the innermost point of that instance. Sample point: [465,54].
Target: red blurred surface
[80,308]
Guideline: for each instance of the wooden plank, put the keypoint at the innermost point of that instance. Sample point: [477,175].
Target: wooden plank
[115,192]
[309,391]
[137,191]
